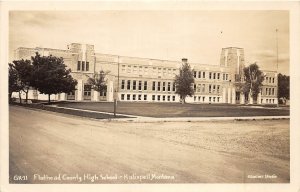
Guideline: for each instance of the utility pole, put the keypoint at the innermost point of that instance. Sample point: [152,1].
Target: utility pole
[277,67]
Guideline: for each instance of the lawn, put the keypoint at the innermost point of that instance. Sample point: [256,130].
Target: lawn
[179,110]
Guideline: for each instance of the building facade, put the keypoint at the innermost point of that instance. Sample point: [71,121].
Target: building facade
[151,80]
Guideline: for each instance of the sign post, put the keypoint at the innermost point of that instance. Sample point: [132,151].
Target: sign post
[115,102]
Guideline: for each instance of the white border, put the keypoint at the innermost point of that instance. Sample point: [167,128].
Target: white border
[293,7]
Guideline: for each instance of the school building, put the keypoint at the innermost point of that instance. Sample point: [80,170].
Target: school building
[151,80]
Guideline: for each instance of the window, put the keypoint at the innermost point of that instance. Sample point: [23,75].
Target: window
[128,85]
[194,87]
[270,80]
[78,66]
[214,76]
[169,86]
[82,64]
[145,85]
[273,79]
[141,70]
[218,75]
[209,75]
[154,70]
[153,86]
[134,85]
[133,97]
[158,86]
[173,98]
[209,88]
[209,99]
[87,90]
[164,71]
[135,69]
[203,99]
[195,98]
[164,98]
[145,97]
[174,87]
[129,69]
[195,74]
[199,98]
[140,85]
[203,88]
[199,88]
[267,79]
[169,97]
[223,76]
[153,97]
[159,71]
[158,97]
[199,74]
[123,85]
[164,86]
[128,97]
[226,77]
[214,88]
[218,88]
[123,68]
[218,99]
[87,67]
[122,96]
[203,74]
[214,99]
[270,91]
[140,97]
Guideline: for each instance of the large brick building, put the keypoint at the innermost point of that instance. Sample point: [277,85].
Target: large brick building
[152,80]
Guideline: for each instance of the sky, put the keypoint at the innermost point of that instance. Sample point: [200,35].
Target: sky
[167,35]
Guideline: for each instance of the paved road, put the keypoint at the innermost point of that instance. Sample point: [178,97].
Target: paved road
[54,148]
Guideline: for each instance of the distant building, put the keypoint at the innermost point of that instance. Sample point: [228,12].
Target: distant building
[152,80]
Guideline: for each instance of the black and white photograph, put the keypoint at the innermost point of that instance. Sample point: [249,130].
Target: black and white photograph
[149,96]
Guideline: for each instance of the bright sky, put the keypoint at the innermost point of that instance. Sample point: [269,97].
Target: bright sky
[169,35]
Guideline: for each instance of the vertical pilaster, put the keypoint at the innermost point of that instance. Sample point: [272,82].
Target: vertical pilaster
[95,95]
[242,98]
[110,91]
[229,94]
[79,89]
[259,98]
[233,95]
[224,95]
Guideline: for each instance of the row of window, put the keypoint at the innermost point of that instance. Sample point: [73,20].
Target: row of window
[148,70]
[210,99]
[270,80]
[143,85]
[140,97]
[270,91]
[269,101]
[83,66]
[198,88]
[211,75]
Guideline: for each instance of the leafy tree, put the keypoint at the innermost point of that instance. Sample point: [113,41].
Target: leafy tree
[24,70]
[98,81]
[184,81]
[50,75]
[253,80]
[283,86]
[14,84]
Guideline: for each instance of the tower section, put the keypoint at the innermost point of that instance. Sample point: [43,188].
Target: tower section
[234,59]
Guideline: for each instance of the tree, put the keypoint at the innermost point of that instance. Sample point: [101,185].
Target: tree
[50,75]
[283,86]
[14,84]
[184,81]
[253,80]
[98,82]
[24,70]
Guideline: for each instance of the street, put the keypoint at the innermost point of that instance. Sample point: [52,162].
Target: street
[47,147]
